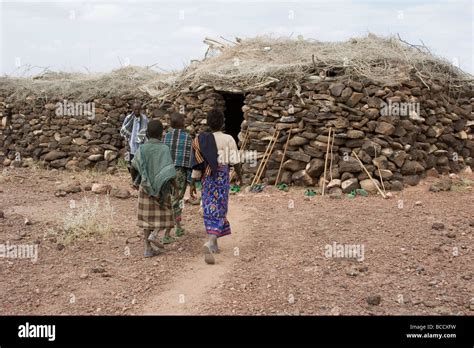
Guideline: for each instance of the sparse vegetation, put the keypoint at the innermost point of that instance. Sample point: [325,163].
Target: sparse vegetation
[4,176]
[122,164]
[462,185]
[89,219]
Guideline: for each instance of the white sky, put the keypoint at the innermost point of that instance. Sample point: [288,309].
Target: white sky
[103,35]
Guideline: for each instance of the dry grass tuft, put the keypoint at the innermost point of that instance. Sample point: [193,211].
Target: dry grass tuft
[89,220]
[5,176]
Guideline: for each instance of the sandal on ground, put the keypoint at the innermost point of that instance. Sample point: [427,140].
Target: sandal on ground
[352,194]
[152,239]
[310,193]
[179,232]
[257,188]
[235,188]
[153,252]
[362,192]
[208,254]
[283,187]
[168,240]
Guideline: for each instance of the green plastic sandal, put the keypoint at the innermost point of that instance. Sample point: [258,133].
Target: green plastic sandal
[167,240]
[257,188]
[179,232]
[235,188]
[362,192]
[310,193]
[283,187]
[352,194]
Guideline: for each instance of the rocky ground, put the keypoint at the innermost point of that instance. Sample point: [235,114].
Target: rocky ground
[418,248]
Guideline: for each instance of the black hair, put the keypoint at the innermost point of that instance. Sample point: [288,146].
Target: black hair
[176,120]
[215,120]
[154,129]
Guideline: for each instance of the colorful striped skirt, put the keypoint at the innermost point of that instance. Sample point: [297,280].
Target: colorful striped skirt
[215,200]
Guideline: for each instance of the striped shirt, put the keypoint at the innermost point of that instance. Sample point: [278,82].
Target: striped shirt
[180,144]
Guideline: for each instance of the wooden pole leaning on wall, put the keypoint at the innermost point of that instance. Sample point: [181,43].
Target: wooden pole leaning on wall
[330,162]
[266,157]
[380,172]
[326,161]
[261,162]
[275,138]
[284,155]
[381,179]
[370,176]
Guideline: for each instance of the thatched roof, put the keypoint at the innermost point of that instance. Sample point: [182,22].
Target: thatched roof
[249,64]
[252,63]
[79,86]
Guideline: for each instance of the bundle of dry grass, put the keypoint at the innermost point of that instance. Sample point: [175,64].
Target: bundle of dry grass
[249,64]
[252,63]
[77,85]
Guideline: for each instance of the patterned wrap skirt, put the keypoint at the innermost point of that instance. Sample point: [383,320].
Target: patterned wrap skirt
[215,200]
[153,216]
[181,180]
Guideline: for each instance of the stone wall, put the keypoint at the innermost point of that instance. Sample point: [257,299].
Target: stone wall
[434,134]
[195,107]
[36,130]
[408,130]
[32,128]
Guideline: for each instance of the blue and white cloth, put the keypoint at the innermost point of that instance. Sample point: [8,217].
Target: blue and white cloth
[134,130]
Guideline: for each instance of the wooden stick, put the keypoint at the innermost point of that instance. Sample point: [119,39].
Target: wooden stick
[284,154]
[263,158]
[266,157]
[261,163]
[380,172]
[381,179]
[326,161]
[246,137]
[330,163]
[269,155]
[370,176]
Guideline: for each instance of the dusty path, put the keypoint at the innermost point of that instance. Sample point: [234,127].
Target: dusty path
[418,256]
[195,286]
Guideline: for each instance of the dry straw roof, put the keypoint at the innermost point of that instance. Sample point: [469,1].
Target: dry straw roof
[253,63]
[249,64]
[124,81]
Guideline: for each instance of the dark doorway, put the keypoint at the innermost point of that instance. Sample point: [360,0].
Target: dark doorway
[234,115]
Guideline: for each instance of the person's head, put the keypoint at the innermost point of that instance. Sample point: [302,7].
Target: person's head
[177,120]
[159,113]
[154,129]
[137,108]
[215,120]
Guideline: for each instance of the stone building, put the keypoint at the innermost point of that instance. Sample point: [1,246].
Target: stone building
[405,113]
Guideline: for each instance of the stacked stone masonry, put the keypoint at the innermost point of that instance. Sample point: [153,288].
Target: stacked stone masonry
[408,131]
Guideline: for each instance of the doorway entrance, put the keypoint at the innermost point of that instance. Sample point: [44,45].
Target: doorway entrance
[234,115]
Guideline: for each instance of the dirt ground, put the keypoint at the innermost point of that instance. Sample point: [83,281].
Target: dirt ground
[274,262]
